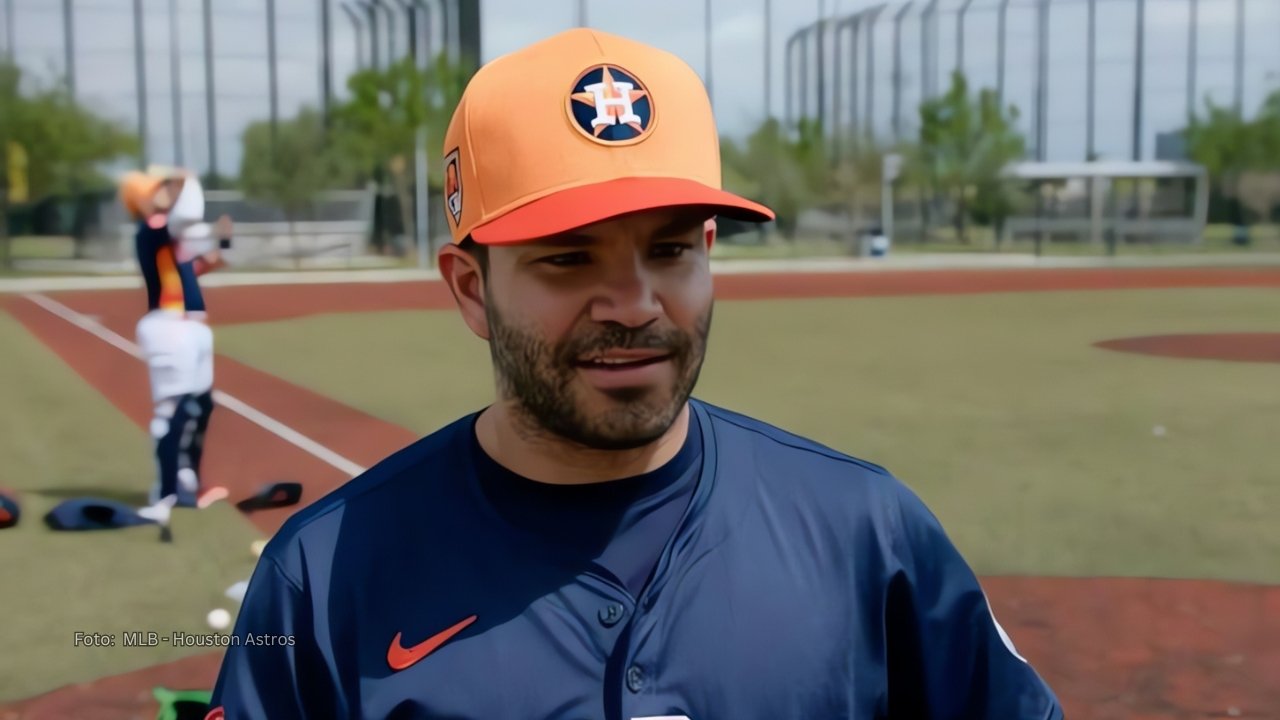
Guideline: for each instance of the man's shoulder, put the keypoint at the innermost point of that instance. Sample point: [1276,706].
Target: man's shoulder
[799,477]
[774,445]
[421,468]
[792,468]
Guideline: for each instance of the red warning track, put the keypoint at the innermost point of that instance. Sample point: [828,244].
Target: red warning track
[1169,650]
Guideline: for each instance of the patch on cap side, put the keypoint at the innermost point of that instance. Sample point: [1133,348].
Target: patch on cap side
[453,186]
[610,106]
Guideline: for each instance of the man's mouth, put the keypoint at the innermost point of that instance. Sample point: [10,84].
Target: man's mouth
[622,359]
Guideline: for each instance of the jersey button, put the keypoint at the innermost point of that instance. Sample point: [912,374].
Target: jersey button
[611,614]
[635,679]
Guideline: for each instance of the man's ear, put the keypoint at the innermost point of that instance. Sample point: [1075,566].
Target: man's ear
[709,230]
[463,274]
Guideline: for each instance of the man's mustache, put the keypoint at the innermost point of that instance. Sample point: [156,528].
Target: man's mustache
[619,337]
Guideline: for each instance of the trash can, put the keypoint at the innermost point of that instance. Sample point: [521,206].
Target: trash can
[1240,236]
[873,243]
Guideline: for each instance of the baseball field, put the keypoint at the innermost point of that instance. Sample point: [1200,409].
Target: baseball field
[1100,443]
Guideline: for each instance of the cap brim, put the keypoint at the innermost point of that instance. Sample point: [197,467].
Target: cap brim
[578,207]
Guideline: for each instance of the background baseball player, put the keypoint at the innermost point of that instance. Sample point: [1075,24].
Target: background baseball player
[596,543]
[175,339]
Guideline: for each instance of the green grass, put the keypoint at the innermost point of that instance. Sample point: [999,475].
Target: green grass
[1035,448]
[28,247]
[59,438]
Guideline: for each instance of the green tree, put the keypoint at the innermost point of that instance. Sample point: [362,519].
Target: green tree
[1231,148]
[293,164]
[65,142]
[856,178]
[1225,144]
[965,144]
[788,172]
[388,107]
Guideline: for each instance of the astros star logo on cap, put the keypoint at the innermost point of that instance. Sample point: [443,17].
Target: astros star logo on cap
[611,106]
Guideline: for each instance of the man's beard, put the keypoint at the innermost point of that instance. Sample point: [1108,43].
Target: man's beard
[537,377]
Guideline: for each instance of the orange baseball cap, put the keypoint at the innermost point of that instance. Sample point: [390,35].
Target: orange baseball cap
[579,128]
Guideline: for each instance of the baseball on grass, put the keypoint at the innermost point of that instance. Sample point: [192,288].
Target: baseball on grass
[219,619]
[257,546]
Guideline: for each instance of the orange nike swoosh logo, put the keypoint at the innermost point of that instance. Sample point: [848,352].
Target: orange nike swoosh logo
[400,657]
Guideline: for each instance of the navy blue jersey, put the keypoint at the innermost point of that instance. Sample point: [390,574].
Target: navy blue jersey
[798,583]
[171,285]
[622,524]
[158,262]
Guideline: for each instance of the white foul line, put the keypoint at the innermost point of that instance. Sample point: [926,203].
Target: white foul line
[239,407]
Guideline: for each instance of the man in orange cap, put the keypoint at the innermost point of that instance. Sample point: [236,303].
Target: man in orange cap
[174,337]
[596,543]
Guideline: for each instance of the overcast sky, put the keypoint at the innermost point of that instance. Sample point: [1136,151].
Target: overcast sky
[106,78]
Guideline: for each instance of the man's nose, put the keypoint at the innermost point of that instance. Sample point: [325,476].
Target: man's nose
[627,296]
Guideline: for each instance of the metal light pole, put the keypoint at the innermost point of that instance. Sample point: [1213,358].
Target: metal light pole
[838,103]
[426,258]
[820,56]
[1001,22]
[768,61]
[1192,58]
[897,71]
[411,15]
[837,94]
[960,35]
[272,71]
[449,21]
[326,59]
[1042,80]
[804,74]
[1138,74]
[582,13]
[371,14]
[140,73]
[455,31]
[854,66]
[1091,79]
[1239,94]
[209,94]
[8,30]
[420,145]
[358,27]
[928,25]
[175,84]
[393,52]
[837,81]
[873,16]
[69,44]
[1042,102]
[706,42]
[788,68]
[428,41]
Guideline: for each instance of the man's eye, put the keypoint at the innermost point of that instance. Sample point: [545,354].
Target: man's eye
[670,250]
[566,259]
